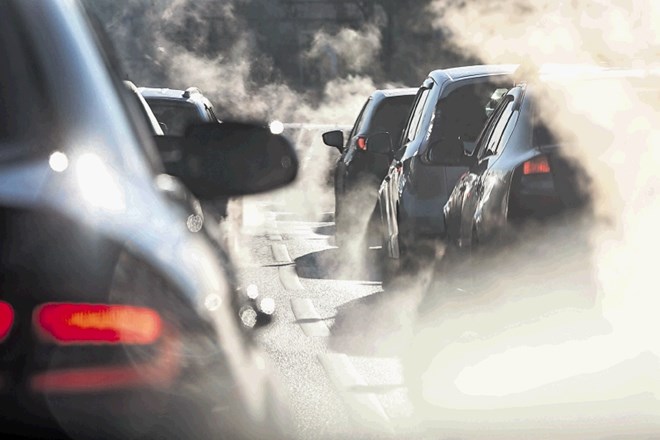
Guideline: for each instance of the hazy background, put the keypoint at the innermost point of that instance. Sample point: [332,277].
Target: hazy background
[317,61]
[263,57]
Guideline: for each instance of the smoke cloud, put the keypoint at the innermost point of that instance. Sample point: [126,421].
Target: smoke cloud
[572,305]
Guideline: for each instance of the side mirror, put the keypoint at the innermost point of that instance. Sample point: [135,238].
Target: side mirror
[379,143]
[448,151]
[334,138]
[229,159]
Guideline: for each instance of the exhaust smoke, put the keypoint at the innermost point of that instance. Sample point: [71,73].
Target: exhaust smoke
[557,330]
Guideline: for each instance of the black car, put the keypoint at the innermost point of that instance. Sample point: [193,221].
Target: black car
[451,104]
[360,169]
[519,174]
[118,319]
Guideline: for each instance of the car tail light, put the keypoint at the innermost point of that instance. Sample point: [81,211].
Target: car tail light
[6,319]
[537,165]
[97,324]
[362,143]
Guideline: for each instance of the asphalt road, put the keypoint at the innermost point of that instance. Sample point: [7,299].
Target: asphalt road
[337,334]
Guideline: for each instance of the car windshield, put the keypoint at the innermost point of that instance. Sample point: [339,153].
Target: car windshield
[176,115]
[391,115]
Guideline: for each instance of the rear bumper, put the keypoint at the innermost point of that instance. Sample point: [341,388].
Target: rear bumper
[119,414]
[153,399]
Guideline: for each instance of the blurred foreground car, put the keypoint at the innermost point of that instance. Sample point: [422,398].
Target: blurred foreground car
[515,335]
[117,319]
[451,104]
[360,170]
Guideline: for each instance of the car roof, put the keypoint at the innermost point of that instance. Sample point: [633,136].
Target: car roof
[191,94]
[388,93]
[458,73]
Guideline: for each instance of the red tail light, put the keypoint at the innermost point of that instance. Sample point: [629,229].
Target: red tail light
[362,143]
[97,324]
[538,165]
[6,319]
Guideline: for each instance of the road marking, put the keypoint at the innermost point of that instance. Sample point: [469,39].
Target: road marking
[365,408]
[308,318]
[289,278]
[274,237]
[280,253]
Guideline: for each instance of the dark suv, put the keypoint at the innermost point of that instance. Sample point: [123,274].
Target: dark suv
[451,104]
[360,169]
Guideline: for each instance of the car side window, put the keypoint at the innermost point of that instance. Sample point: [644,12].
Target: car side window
[359,122]
[498,119]
[416,115]
[487,132]
[463,113]
[503,126]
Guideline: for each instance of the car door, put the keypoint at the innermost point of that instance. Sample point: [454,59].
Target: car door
[454,208]
[478,182]
[389,191]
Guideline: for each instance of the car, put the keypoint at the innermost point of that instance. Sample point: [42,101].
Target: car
[178,109]
[360,170]
[203,223]
[519,174]
[450,103]
[117,318]
[515,334]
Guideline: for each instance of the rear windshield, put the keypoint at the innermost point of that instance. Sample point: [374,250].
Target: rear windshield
[391,115]
[26,116]
[176,115]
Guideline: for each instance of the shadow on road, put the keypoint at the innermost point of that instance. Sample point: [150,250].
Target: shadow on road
[380,324]
[325,230]
[333,264]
